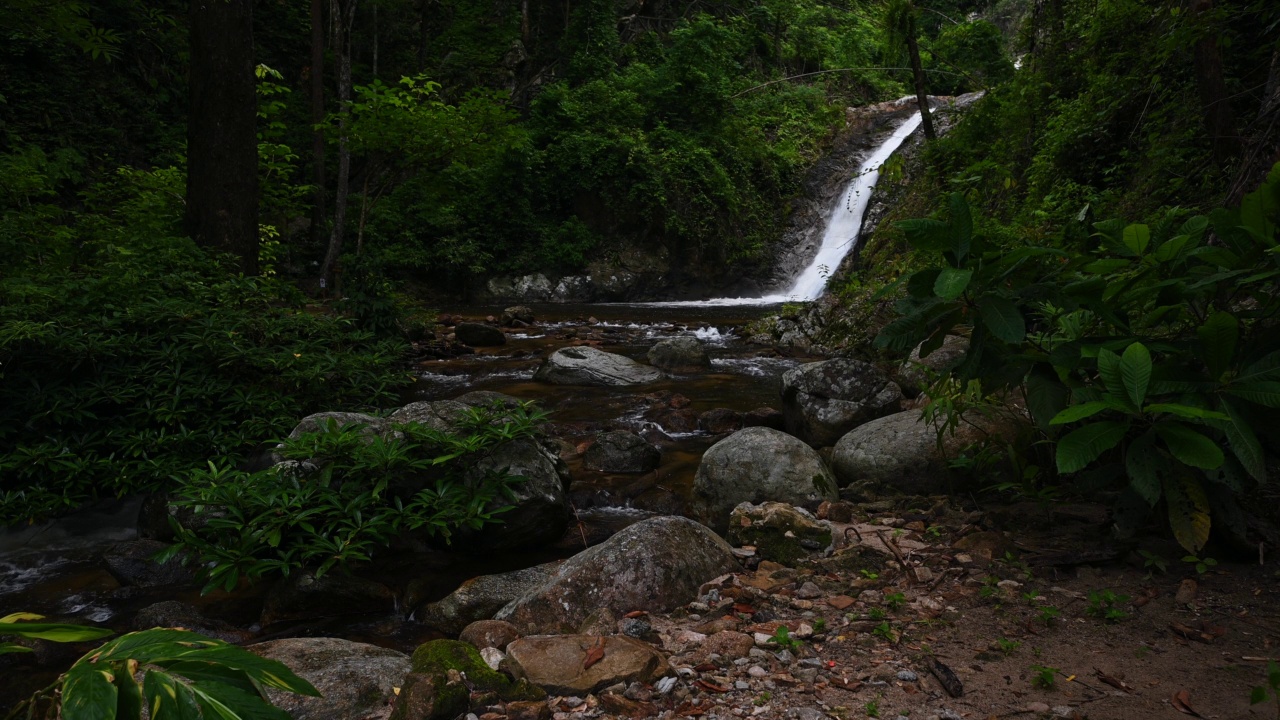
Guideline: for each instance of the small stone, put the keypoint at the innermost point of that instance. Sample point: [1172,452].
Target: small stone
[1038,707]
[636,627]
[809,591]
[922,574]
[1186,592]
[762,640]
[907,676]
[756,671]
[1009,585]
[665,685]
[870,596]
[492,657]
[840,602]
[785,657]
[741,685]
[964,558]
[806,713]
[1066,711]
[805,630]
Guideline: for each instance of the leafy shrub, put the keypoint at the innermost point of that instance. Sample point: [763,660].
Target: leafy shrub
[343,493]
[1157,344]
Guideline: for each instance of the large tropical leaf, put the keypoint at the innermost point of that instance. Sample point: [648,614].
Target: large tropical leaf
[1135,372]
[1189,446]
[1218,337]
[89,693]
[926,234]
[951,283]
[1082,446]
[53,632]
[1136,238]
[1244,442]
[961,226]
[1080,412]
[1002,318]
[1146,467]
[1188,511]
[1264,393]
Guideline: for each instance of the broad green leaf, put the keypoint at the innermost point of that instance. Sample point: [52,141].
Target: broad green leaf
[1244,443]
[1264,393]
[1188,511]
[229,703]
[961,226]
[1137,237]
[200,671]
[1265,368]
[1079,412]
[129,699]
[1189,446]
[1218,337]
[55,632]
[951,283]
[1135,372]
[1171,248]
[1109,371]
[168,699]
[1186,411]
[1082,446]
[20,616]
[89,693]
[1108,266]
[8,647]
[926,234]
[1002,318]
[1146,465]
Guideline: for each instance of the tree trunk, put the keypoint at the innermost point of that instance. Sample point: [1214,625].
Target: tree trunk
[319,214]
[222,140]
[926,120]
[1215,105]
[342,14]
[524,24]
[1262,140]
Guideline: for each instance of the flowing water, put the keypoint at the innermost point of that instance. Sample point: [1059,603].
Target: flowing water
[56,569]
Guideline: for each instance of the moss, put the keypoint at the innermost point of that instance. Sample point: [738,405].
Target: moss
[438,657]
[772,543]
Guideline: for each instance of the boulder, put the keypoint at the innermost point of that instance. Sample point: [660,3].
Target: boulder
[720,421]
[540,502]
[441,659]
[480,598]
[174,614]
[479,335]
[758,464]
[557,662]
[681,354]
[355,680]
[764,417]
[319,421]
[440,415]
[521,313]
[780,532]
[589,366]
[900,453]
[303,596]
[621,451]
[131,564]
[487,399]
[489,634]
[431,697]
[656,565]
[824,400]
[913,376]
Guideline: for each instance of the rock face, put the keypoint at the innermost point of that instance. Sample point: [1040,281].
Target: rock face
[441,415]
[489,634]
[589,366]
[824,400]
[912,376]
[654,565]
[900,452]
[131,564]
[303,596]
[517,313]
[355,680]
[479,335]
[780,532]
[171,613]
[480,598]
[758,464]
[319,421]
[681,355]
[555,662]
[541,509]
[620,451]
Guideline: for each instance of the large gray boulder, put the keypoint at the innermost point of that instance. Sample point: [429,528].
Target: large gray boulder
[681,354]
[589,366]
[900,453]
[480,598]
[479,334]
[540,501]
[558,663]
[355,680]
[621,451]
[655,565]
[914,374]
[824,400]
[318,422]
[441,415]
[754,465]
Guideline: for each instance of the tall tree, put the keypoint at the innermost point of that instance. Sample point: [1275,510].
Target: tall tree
[319,215]
[900,21]
[222,141]
[342,15]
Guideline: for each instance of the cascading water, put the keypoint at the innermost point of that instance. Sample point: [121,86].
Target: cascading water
[841,234]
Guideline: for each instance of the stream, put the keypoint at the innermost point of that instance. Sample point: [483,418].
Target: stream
[57,568]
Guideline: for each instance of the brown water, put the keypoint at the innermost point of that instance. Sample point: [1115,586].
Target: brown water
[57,571]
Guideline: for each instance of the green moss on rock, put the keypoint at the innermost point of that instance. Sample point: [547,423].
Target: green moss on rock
[438,657]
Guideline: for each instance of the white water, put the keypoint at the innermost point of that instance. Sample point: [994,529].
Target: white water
[841,234]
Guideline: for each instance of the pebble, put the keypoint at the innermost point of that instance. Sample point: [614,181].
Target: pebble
[762,640]
[741,685]
[806,713]
[870,596]
[811,662]
[1038,707]
[907,676]
[636,627]
[809,591]
[756,671]
[664,685]
[759,653]
[785,657]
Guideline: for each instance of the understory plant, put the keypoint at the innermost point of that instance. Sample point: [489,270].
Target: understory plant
[1141,351]
[343,492]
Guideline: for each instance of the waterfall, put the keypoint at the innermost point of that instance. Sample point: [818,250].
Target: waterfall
[841,234]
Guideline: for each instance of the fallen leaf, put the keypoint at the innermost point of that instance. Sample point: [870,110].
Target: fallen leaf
[594,655]
[1181,701]
[947,677]
[743,608]
[1113,682]
[636,614]
[1191,633]
[706,667]
[710,686]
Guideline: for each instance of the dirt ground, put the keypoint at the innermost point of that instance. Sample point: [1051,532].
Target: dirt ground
[1049,619]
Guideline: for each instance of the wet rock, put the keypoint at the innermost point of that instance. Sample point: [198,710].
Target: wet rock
[440,415]
[720,421]
[728,644]
[303,596]
[431,697]
[914,374]
[131,564]
[602,621]
[674,420]
[174,614]
[656,565]
[824,400]
[680,355]
[489,634]
[900,453]
[442,658]
[480,598]
[621,451]
[317,422]
[764,417]
[487,399]
[589,366]
[355,680]
[780,532]
[755,465]
[540,511]
[988,544]
[555,662]
[521,313]
[478,335]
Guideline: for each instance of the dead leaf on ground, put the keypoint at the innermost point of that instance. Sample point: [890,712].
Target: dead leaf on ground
[743,608]
[710,686]
[947,677]
[1181,701]
[636,614]
[594,655]
[1204,634]
[1116,683]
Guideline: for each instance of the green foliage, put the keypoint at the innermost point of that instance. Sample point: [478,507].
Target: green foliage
[1048,614]
[1146,344]
[1201,565]
[782,638]
[185,676]
[885,632]
[895,601]
[1103,606]
[1259,693]
[343,493]
[1007,646]
[1046,678]
[872,708]
[15,624]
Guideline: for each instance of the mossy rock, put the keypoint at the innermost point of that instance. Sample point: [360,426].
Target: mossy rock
[430,697]
[779,532]
[438,657]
